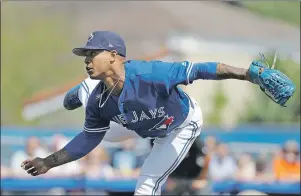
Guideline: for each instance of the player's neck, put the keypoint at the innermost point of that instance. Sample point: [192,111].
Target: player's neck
[116,84]
[115,79]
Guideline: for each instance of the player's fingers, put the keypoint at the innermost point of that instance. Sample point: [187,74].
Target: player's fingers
[27,166]
[35,173]
[31,170]
[25,162]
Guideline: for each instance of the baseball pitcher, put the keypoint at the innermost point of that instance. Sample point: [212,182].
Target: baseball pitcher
[144,97]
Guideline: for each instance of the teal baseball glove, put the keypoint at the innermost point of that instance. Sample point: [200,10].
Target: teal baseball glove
[272,82]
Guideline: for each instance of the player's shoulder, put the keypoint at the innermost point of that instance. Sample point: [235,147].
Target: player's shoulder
[138,67]
[141,67]
[90,84]
[146,63]
[95,95]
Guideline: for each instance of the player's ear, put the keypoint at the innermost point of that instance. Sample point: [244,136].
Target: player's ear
[113,56]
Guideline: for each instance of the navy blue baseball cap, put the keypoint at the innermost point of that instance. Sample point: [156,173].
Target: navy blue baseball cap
[102,40]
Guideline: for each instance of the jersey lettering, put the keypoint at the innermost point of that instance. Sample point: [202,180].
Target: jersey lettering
[143,116]
[155,113]
[135,117]
[161,112]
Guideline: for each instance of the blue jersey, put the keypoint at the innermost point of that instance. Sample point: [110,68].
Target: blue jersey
[150,103]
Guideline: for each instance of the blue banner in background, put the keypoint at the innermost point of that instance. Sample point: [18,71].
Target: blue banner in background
[129,185]
[273,134]
[253,139]
[242,135]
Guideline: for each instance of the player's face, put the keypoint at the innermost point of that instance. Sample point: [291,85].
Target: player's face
[98,63]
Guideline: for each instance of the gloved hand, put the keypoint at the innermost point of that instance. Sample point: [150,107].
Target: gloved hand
[272,82]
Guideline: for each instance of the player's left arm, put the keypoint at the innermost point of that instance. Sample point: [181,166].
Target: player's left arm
[275,84]
[173,74]
[224,71]
[272,82]
[216,71]
[187,72]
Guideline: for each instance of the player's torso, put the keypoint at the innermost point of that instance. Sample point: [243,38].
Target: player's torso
[142,108]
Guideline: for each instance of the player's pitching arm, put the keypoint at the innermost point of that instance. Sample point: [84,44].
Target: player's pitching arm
[78,147]
[78,96]
[72,98]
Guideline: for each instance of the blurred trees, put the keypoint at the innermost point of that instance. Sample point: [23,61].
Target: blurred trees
[36,55]
[288,11]
[219,102]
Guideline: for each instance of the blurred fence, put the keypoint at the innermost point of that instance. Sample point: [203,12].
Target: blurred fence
[251,134]
[129,185]
[254,139]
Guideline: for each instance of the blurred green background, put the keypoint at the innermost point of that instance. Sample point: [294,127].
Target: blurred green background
[287,11]
[36,56]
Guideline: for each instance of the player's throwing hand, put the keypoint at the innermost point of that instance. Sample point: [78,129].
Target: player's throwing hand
[35,167]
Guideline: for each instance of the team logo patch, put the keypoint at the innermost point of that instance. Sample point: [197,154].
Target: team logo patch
[164,124]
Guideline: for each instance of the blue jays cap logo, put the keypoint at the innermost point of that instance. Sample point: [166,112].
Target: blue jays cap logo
[90,37]
[164,124]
